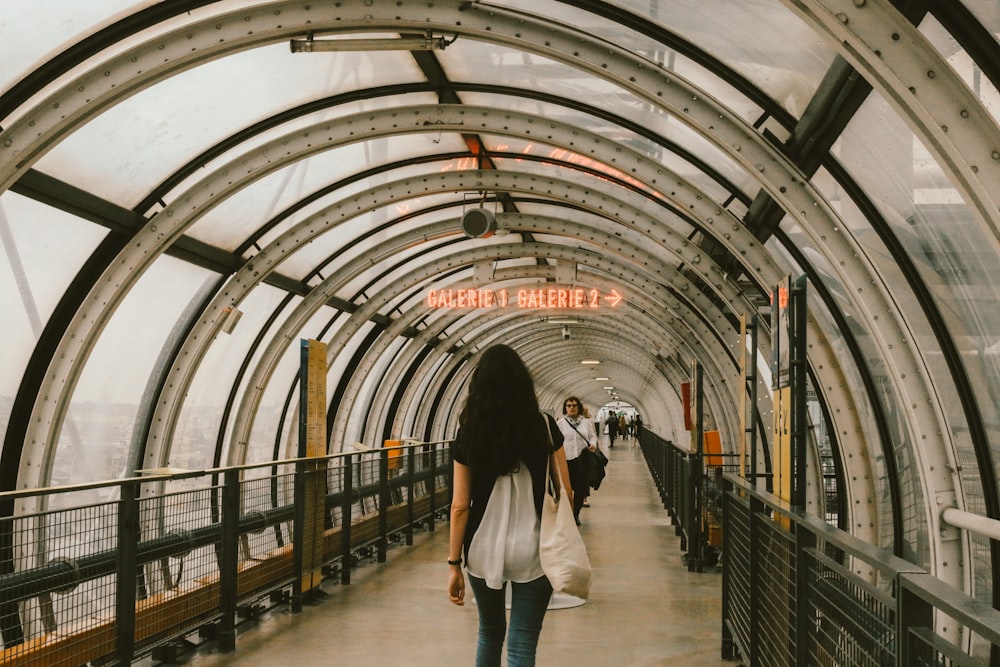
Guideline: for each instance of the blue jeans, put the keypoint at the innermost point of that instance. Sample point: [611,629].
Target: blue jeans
[527,609]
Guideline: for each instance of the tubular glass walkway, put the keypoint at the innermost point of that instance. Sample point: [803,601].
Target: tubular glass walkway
[645,608]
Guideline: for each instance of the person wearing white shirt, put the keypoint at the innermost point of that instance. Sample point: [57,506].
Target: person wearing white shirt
[579,434]
[502,454]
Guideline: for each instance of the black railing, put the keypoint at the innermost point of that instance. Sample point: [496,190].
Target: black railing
[109,572]
[697,520]
[798,591]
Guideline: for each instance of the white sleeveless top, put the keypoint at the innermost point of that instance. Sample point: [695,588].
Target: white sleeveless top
[505,546]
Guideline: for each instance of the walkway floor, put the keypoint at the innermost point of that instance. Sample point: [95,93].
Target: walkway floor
[645,608]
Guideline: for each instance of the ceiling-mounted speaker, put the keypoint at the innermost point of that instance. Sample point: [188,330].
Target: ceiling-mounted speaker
[478,223]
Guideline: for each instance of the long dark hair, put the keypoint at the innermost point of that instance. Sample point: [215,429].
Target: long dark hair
[500,424]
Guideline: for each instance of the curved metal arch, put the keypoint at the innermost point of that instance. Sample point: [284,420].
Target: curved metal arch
[906,69]
[461,366]
[559,365]
[522,37]
[250,17]
[413,420]
[644,323]
[622,240]
[630,208]
[425,415]
[702,116]
[659,412]
[160,192]
[501,325]
[546,353]
[451,394]
[513,335]
[695,335]
[721,400]
[176,217]
[419,274]
[379,348]
[803,202]
[402,421]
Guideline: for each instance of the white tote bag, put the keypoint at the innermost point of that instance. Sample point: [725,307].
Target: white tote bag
[560,548]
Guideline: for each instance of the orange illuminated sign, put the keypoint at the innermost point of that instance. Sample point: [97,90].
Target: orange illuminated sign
[545,298]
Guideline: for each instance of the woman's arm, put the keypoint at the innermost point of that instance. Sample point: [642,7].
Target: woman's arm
[459,519]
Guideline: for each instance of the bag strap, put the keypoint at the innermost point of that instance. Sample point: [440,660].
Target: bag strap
[551,472]
[587,448]
[577,431]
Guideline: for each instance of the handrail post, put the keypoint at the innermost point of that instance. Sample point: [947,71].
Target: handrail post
[696,531]
[432,487]
[755,514]
[128,540]
[804,539]
[410,489]
[383,504]
[230,555]
[345,518]
[728,648]
[298,535]
[912,611]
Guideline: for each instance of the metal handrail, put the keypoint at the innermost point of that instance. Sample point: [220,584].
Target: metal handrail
[890,611]
[230,578]
[976,523]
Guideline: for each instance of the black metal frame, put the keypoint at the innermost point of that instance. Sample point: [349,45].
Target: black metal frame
[424,477]
[798,591]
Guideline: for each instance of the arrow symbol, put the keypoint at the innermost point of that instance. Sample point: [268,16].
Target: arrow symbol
[614,298]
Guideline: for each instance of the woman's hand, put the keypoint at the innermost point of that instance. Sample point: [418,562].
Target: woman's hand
[456,585]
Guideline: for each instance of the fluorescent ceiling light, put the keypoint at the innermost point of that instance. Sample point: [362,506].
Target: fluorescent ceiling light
[609,388]
[602,379]
[590,362]
[428,43]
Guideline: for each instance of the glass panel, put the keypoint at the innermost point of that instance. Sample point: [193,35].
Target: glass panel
[229,224]
[422,399]
[760,39]
[962,63]
[43,248]
[359,423]
[498,65]
[96,441]
[37,34]
[657,121]
[361,233]
[988,13]
[151,134]
[342,365]
[869,442]
[200,419]
[953,256]
[290,217]
[270,417]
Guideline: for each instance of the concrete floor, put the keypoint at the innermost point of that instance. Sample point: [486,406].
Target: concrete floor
[645,608]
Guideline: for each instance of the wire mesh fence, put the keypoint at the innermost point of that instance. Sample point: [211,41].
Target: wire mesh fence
[798,591]
[156,558]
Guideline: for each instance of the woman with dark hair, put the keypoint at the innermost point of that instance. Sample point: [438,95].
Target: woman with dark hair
[502,452]
[579,435]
